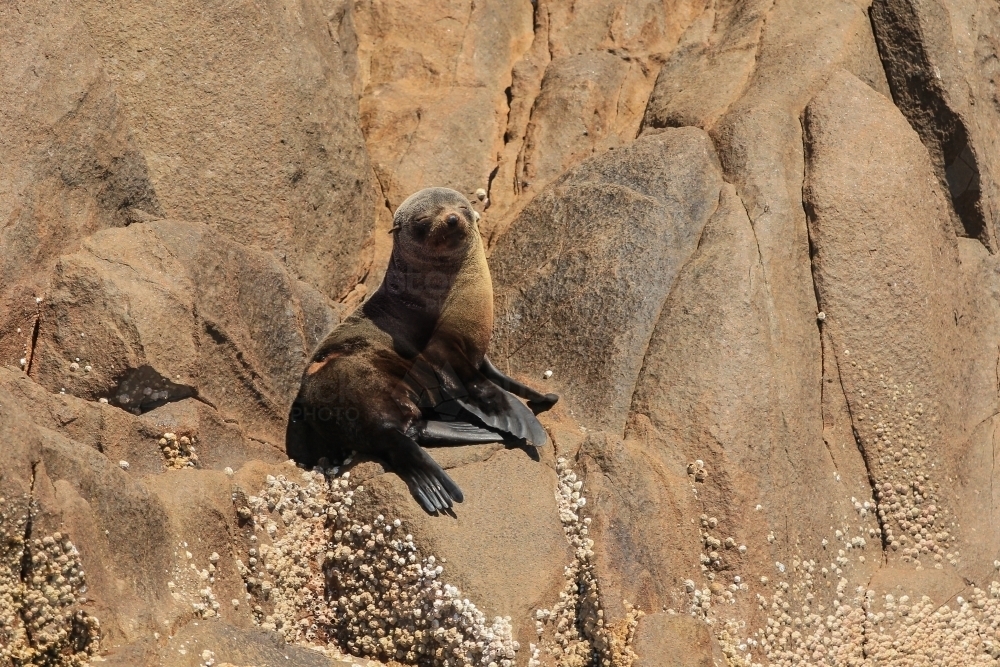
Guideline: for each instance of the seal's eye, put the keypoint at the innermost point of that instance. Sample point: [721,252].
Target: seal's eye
[421,226]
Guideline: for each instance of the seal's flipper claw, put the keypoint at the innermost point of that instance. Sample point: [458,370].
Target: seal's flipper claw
[431,489]
[537,401]
[544,403]
[418,493]
[455,433]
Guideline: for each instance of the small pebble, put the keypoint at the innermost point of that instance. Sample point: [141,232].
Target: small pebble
[123,465]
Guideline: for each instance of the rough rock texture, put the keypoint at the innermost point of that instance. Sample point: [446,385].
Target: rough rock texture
[898,318]
[755,243]
[270,154]
[200,309]
[584,307]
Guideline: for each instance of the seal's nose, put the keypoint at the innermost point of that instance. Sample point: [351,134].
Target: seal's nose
[452,219]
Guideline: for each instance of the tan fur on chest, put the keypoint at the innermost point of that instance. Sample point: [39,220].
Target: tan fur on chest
[468,311]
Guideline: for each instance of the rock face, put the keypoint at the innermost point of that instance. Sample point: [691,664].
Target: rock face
[755,243]
[582,273]
[198,308]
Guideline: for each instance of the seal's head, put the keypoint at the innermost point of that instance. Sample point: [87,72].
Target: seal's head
[435,223]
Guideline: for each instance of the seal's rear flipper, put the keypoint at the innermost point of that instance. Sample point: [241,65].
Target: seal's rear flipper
[498,409]
[455,433]
[427,481]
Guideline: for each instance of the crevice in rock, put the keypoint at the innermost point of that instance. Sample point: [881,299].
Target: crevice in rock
[807,208]
[249,378]
[33,344]
[869,470]
[489,186]
[659,313]
[143,389]
[509,94]
[583,635]
[760,255]
[25,573]
[917,90]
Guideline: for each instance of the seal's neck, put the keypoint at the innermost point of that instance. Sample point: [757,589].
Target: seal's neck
[420,285]
[450,300]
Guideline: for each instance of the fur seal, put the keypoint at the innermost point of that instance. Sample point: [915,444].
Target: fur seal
[409,366]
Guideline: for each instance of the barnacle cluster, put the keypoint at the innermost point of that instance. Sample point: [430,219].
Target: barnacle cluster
[863,629]
[178,452]
[321,576]
[574,632]
[41,589]
[897,428]
[192,585]
[818,613]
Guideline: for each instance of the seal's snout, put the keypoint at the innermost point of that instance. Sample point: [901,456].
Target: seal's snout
[452,219]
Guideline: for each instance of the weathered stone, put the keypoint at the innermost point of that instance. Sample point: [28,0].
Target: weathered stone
[72,164]
[894,298]
[271,154]
[674,640]
[508,513]
[433,77]
[582,274]
[941,62]
[198,308]
[227,645]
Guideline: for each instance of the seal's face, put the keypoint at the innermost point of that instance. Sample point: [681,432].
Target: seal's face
[435,223]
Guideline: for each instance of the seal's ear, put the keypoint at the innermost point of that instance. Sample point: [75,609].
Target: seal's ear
[476,215]
[395,228]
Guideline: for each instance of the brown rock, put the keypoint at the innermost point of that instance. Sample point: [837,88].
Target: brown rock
[673,640]
[642,539]
[578,113]
[433,77]
[580,89]
[581,276]
[197,307]
[228,645]
[710,67]
[121,530]
[270,154]
[707,392]
[894,300]
[73,166]
[504,549]
[940,59]
[122,436]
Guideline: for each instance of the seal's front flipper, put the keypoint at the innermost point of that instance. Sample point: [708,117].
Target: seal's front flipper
[537,401]
[427,481]
[455,433]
